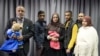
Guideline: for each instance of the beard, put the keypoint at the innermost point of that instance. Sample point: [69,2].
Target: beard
[20,17]
[41,19]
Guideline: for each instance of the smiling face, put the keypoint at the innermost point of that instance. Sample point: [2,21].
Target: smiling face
[84,22]
[87,21]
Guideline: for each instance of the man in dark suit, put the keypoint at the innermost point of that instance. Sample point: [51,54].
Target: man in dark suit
[27,31]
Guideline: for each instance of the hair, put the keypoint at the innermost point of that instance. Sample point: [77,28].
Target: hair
[52,18]
[20,6]
[81,13]
[16,26]
[69,12]
[40,12]
[88,20]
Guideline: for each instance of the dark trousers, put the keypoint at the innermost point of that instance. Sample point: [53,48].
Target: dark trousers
[39,50]
[70,54]
[19,52]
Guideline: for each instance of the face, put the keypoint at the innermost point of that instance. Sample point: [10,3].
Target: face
[84,23]
[67,16]
[80,16]
[55,18]
[41,16]
[20,11]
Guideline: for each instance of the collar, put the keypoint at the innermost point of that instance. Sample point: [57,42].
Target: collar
[20,20]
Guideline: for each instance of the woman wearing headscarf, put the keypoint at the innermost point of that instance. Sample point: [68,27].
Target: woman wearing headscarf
[87,39]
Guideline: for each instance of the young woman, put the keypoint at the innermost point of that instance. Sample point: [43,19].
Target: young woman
[54,40]
[87,39]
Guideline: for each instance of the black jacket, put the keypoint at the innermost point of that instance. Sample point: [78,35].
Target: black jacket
[40,30]
[68,33]
[79,23]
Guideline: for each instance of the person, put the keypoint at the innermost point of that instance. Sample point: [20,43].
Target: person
[87,39]
[79,20]
[69,30]
[11,45]
[76,26]
[27,30]
[40,29]
[53,45]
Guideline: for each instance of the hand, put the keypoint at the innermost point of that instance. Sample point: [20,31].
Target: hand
[20,38]
[54,39]
[48,37]
[14,36]
[67,50]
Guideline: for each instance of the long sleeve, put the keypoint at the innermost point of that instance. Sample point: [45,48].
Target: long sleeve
[28,31]
[74,36]
[61,34]
[39,33]
[95,49]
[8,26]
[36,31]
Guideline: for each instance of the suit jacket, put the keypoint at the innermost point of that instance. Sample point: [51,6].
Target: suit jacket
[27,31]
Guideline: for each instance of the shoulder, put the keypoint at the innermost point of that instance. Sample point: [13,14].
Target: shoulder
[72,22]
[9,31]
[27,20]
[81,28]
[92,28]
[75,26]
[12,19]
[61,25]
[49,25]
[36,23]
